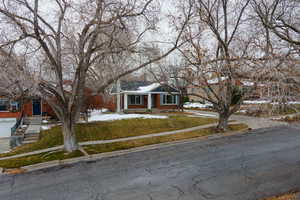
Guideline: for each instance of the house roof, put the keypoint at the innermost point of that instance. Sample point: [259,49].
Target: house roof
[142,87]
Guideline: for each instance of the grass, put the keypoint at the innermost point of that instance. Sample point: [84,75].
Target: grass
[111,130]
[101,148]
[291,119]
[38,158]
[284,197]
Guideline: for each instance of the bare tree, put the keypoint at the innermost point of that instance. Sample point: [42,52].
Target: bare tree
[213,55]
[279,22]
[67,39]
[281,17]
[16,82]
[171,72]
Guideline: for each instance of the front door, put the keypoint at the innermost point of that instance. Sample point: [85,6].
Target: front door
[153,99]
[36,107]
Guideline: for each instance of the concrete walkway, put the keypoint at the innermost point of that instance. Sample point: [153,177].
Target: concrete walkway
[115,140]
[33,131]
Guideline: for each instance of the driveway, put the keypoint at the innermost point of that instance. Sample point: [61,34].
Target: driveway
[261,163]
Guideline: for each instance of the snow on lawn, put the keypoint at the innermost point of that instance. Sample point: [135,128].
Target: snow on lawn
[110,117]
[197,105]
[205,114]
[256,102]
[98,111]
[5,126]
[242,111]
[268,101]
[45,128]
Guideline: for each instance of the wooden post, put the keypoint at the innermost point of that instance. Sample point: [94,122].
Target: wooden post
[125,101]
[149,101]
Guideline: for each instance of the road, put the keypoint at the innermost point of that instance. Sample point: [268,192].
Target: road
[260,163]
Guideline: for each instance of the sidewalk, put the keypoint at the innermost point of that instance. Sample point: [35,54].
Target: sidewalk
[116,140]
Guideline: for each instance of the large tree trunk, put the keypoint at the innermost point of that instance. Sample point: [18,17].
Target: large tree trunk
[70,143]
[223,121]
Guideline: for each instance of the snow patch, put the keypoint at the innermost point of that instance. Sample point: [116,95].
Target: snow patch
[197,105]
[98,111]
[149,87]
[216,80]
[247,83]
[5,126]
[256,101]
[205,115]
[111,117]
[145,89]
[268,101]
[45,128]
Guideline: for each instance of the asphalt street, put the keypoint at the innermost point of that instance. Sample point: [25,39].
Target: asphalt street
[251,166]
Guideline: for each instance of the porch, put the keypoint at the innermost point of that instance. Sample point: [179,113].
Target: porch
[154,102]
[144,96]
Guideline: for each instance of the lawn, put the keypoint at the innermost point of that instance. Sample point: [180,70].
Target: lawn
[107,130]
[101,148]
[284,197]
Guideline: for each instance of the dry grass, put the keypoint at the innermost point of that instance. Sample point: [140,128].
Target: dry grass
[39,158]
[101,148]
[284,197]
[108,130]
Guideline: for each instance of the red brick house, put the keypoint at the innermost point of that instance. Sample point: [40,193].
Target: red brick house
[144,95]
[36,106]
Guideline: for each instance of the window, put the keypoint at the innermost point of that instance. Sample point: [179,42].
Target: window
[14,106]
[135,100]
[4,104]
[169,99]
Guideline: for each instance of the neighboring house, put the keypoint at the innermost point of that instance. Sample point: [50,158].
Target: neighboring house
[144,95]
[8,108]
[36,106]
[259,90]
[204,91]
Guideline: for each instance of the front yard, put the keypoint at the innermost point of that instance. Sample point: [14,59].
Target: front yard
[107,130]
[101,148]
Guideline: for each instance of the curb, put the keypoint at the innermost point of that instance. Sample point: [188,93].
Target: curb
[96,157]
